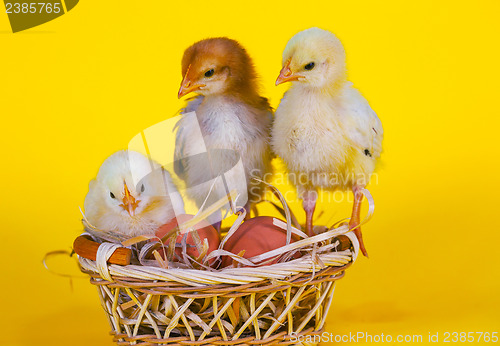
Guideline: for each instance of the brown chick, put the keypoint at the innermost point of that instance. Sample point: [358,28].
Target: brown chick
[231,115]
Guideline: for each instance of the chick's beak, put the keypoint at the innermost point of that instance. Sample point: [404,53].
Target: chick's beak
[187,87]
[129,202]
[286,74]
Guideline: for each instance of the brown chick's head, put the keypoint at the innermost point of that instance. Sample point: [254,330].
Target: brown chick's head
[217,66]
[314,58]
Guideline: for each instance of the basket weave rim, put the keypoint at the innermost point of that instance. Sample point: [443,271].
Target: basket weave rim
[231,276]
[226,276]
[216,340]
[228,291]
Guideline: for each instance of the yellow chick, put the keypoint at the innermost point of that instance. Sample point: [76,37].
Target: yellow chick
[324,129]
[131,195]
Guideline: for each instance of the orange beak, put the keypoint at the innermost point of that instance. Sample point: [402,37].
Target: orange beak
[286,74]
[187,87]
[129,202]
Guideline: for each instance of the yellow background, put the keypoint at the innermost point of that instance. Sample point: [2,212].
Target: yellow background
[75,90]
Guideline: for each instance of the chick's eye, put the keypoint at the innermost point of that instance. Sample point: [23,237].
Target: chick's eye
[209,73]
[112,195]
[309,66]
[142,188]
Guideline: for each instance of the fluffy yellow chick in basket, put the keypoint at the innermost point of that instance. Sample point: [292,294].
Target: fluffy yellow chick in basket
[131,195]
[231,115]
[324,129]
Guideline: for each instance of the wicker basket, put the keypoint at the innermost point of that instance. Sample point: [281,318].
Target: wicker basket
[267,305]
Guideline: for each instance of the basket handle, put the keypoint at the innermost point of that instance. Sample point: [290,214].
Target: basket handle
[87,248]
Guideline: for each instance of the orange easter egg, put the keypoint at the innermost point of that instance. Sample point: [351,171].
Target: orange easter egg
[204,229]
[256,236]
